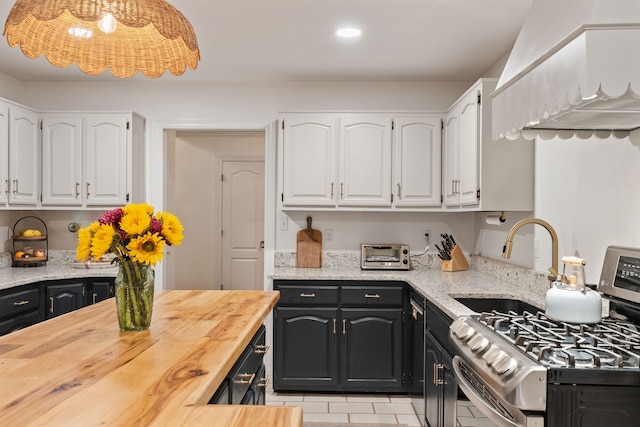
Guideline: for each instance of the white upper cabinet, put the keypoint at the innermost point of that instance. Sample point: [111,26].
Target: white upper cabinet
[416,164]
[365,161]
[106,154]
[4,152]
[368,161]
[309,160]
[91,159]
[478,172]
[61,160]
[24,156]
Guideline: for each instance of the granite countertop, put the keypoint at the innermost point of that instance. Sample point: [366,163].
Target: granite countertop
[15,276]
[439,287]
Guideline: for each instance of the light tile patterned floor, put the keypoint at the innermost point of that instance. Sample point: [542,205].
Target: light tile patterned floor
[389,409]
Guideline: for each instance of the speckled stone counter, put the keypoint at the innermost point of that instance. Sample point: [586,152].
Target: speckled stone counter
[16,276]
[439,287]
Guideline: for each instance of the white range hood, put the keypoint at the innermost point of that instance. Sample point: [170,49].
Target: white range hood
[574,70]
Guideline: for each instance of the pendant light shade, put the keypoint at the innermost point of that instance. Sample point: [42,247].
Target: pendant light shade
[124,36]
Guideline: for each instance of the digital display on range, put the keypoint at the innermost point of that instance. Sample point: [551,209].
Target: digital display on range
[628,274]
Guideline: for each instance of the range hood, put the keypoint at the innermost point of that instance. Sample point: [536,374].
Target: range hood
[574,70]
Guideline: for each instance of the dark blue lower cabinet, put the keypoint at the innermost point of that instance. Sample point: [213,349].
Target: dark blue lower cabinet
[338,336]
[245,384]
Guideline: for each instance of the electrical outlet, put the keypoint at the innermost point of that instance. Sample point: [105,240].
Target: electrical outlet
[283,221]
[426,236]
[328,235]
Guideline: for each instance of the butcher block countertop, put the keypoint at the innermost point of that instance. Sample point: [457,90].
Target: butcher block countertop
[79,369]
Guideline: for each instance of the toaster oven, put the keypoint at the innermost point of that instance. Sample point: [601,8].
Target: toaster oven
[385,257]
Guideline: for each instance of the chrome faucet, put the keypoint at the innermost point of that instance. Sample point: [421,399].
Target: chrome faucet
[506,249]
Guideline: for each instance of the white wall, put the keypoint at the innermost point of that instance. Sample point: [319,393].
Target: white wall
[588,190]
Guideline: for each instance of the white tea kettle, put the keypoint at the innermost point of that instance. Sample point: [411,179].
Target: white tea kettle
[568,299]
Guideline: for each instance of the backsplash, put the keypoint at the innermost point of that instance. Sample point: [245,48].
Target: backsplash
[521,277]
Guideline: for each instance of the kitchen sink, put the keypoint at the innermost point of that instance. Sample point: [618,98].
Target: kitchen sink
[503,305]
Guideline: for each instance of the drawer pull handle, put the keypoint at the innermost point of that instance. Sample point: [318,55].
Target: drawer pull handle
[261,349]
[95,296]
[371,296]
[344,326]
[51,306]
[262,382]
[436,374]
[334,326]
[249,381]
[303,295]
[19,303]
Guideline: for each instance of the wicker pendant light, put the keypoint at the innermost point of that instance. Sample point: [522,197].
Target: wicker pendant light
[124,36]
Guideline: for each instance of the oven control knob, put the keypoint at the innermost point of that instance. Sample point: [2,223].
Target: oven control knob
[478,343]
[492,354]
[505,366]
[464,331]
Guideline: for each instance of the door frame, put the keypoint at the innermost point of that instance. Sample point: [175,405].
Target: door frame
[155,187]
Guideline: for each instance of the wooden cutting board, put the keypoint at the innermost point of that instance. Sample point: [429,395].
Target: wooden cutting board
[309,247]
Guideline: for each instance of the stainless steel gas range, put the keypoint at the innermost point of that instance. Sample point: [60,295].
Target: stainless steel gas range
[524,369]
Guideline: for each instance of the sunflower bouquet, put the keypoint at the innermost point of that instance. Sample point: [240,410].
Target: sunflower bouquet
[137,237]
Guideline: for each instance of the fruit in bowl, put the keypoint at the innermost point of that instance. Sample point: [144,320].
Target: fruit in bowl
[28,232]
[39,253]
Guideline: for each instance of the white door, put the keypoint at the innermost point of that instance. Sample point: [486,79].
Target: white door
[242,225]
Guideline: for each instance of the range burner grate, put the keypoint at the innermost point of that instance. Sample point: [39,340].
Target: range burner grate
[611,343]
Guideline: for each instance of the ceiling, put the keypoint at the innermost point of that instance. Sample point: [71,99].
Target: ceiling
[294,41]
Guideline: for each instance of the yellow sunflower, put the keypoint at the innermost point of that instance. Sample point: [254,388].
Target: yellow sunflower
[146,249]
[171,228]
[136,218]
[83,251]
[102,240]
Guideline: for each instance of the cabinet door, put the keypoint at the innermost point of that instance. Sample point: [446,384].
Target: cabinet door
[432,389]
[61,160]
[64,298]
[468,140]
[365,161]
[309,153]
[305,349]
[371,350]
[24,156]
[106,156]
[417,161]
[450,159]
[101,290]
[4,152]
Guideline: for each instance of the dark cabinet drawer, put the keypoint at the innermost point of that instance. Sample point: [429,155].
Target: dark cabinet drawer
[308,295]
[387,295]
[19,322]
[19,302]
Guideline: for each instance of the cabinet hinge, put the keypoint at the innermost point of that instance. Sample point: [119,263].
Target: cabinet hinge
[128,124]
[222,177]
[41,124]
[393,124]
[479,98]
[441,124]
[282,124]
[478,194]
[128,196]
[282,197]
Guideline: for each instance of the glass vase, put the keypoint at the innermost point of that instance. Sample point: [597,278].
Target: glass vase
[134,295]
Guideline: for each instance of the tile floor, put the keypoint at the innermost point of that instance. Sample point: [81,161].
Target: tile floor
[389,409]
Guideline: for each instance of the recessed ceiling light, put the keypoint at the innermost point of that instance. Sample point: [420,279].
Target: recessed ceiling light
[348,32]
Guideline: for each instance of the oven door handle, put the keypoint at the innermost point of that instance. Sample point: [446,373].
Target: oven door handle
[480,403]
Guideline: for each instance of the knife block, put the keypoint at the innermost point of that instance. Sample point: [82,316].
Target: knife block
[458,262]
